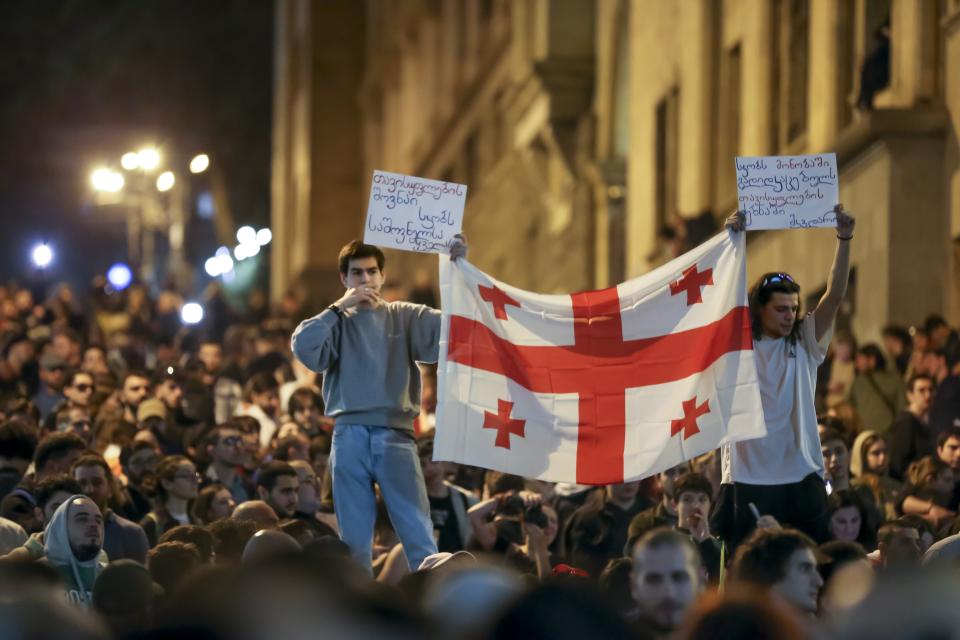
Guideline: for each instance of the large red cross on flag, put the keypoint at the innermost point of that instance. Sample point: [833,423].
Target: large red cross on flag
[603,386]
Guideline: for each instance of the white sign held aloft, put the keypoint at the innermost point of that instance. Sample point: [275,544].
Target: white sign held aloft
[414,214]
[788,192]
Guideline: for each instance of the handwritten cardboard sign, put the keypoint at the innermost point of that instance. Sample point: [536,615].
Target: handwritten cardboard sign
[414,214]
[788,192]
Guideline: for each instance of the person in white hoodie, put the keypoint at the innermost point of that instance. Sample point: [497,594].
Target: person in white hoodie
[72,545]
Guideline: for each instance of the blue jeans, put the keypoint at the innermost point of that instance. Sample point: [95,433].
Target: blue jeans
[362,455]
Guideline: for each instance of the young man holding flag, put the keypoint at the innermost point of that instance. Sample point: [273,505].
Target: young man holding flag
[781,474]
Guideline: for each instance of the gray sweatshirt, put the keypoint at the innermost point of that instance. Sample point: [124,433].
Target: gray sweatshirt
[368,360]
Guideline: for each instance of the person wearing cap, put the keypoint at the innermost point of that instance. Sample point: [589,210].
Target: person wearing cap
[72,545]
[782,473]
[367,350]
[52,380]
[152,415]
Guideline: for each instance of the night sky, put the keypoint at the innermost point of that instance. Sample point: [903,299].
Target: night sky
[82,81]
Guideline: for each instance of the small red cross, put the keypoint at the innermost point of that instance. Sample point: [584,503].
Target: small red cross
[503,423]
[691,282]
[688,423]
[499,300]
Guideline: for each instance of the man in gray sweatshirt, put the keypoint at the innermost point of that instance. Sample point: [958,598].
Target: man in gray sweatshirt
[367,350]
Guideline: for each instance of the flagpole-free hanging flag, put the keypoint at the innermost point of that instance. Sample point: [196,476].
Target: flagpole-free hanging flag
[598,387]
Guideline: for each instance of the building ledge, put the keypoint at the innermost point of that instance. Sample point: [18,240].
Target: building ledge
[869,127]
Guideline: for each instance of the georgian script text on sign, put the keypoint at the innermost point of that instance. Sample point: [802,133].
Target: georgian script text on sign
[788,192]
[413,214]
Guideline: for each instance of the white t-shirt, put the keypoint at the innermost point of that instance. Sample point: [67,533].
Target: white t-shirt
[788,377]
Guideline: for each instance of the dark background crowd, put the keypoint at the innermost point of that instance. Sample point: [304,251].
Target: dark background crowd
[159,478]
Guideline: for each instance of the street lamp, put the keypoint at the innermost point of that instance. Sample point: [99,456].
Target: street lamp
[42,255]
[130,161]
[149,159]
[191,313]
[165,181]
[104,179]
[199,163]
[264,236]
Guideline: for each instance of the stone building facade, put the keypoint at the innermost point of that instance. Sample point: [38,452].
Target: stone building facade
[584,127]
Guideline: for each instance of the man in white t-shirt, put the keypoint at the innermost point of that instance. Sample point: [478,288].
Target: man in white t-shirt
[782,473]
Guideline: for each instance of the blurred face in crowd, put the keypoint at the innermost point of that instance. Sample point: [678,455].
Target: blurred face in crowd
[80,390]
[283,496]
[949,452]
[94,484]
[268,400]
[363,273]
[185,482]
[919,397]
[902,549]
[624,493]
[21,353]
[843,350]
[877,459]
[66,348]
[669,477]
[142,463]
[53,378]
[78,421]
[845,524]
[778,316]
[170,393]
[221,506]
[864,363]
[228,449]
[211,355]
[935,365]
[802,582]
[692,507]
[135,390]
[95,361]
[306,415]
[664,583]
[836,459]
[308,493]
[84,529]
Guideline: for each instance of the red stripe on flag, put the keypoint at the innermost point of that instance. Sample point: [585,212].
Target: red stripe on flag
[599,367]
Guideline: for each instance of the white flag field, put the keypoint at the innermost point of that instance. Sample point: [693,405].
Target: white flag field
[598,387]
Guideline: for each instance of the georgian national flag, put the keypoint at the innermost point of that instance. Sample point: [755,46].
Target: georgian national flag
[598,387]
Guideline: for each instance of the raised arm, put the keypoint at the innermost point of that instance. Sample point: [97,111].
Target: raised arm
[826,310]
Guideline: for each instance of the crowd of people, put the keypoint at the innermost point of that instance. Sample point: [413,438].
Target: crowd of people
[161,479]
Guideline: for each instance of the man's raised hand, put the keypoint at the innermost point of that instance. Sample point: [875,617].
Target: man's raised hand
[845,223]
[358,295]
[737,221]
[458,247]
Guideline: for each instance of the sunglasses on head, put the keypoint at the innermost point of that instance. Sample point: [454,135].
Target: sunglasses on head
[774,278]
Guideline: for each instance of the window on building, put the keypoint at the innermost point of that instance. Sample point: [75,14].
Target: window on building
[846,61]
[794,61]
[727,130]
[667,148]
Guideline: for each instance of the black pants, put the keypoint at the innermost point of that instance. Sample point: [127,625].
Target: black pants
[799,505]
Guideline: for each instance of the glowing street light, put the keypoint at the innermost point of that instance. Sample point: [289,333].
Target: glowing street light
[199,163]
[149,159]
[264,236]
[191,313]
[42,255]
[120,276]
[165,181]
[246,235]
[130,161]
[212,267]
[104,179]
